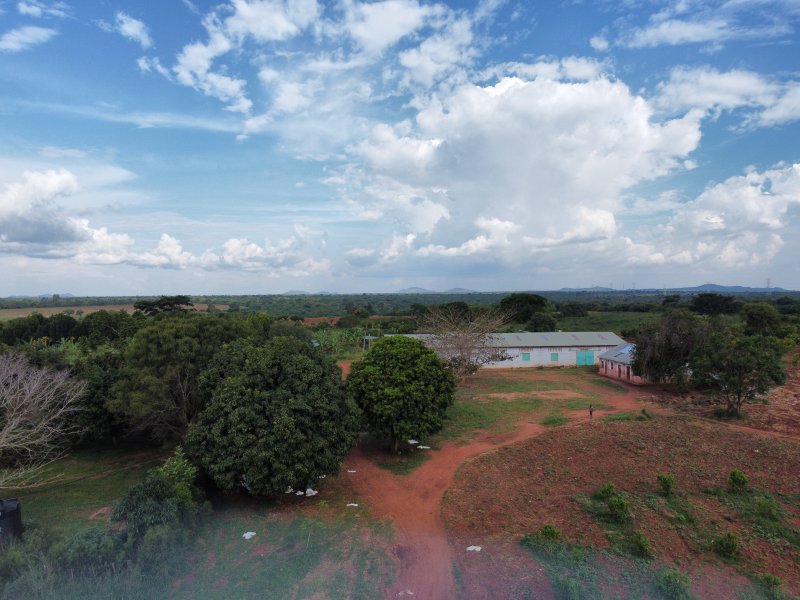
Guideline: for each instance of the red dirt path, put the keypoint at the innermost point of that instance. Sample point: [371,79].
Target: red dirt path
[413,503]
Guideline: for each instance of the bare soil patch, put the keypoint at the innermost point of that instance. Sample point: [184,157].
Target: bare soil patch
[497,498]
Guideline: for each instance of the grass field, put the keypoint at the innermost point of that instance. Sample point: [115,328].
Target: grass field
[49,311]
[616,322]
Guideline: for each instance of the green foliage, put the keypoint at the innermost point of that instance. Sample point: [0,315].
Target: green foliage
[772,586]
[640,545]
[181,474]
[403,389]
[555,419]
[14,559]
[566,588]
[277,417]
[667,482]
[520,307]
[147,504]
[737,369]
[727,545]
[663,348]
[738,482]
[709,303]
[165,304]
[108,327]
[765,507]
[573,309]
[158,546]
[761,318]
[86,551]
[541,322]
[618,508]
[606,492]
[549,533]
[158,391]
[673,585]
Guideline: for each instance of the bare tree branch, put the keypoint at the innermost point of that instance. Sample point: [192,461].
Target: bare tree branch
[36,410]
[464,341]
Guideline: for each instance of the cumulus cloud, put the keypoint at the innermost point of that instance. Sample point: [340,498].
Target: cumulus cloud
[376,26]
[552,157]
[24,38]
[733,224]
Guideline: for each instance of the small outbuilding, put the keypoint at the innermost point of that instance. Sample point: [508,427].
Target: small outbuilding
[617,363]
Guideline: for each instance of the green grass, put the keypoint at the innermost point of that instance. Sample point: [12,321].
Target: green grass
[581,404]
[627,415]
[606,383]
[468,415]
[502,385]
[88,480]
[405,464]
[607,321]
[555,419]
[341,556]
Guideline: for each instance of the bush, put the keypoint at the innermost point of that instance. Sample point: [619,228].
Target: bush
[86,551]
[147,504]
[738,482]
[605,492]
[549,533]
[767,508]
[566,588]
[181,474]
[641,546]
[618,508]
[157,550]
[673,585]
[13,561]
[727,545]
[772,586]
[667,483]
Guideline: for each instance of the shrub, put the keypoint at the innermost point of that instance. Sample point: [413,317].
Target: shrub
[767,508]
[667,483]
[618,508]
[157,550]
[181,474]
[85,551]
[549,533]
[772,586]
[13,561]
[727,545]
[566,588]
[641,546]
[147,504]
[737,482]
[673,585]
[605,492]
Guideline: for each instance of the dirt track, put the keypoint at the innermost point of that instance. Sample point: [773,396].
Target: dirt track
[413,503]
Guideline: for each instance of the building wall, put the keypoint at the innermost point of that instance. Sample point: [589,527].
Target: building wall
[620,371]
[546,357]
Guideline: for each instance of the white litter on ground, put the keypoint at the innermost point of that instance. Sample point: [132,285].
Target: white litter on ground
[412,442]
[473,548]
[299,493]
[322,476]
[406,593]
[351,470]
[247,535]
[424,447]
[289,490]
[353,504]
[310,492]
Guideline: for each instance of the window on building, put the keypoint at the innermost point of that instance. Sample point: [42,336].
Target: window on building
[554,356]
[526,356]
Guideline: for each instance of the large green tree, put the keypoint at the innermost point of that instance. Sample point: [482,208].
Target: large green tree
[157,392]
[663,347]
[403,389]
[277,416]
[761,318]
[520,306]
[737,369]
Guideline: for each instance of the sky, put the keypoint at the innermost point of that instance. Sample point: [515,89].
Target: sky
[260,146]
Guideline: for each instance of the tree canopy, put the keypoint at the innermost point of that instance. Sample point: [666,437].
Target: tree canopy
[163,304]
[403,389]
[521,306]
[157,391]
[277,416]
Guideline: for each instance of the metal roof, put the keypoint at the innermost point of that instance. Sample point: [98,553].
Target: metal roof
[547,339]
[621,354]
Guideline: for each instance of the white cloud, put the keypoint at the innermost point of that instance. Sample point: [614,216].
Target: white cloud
[133,29]
[706,87]
[733,224]
[37,9]
[675,32]
[270,20]
[376,26]
[24,38]
[599,43]
[784,109]
[439,54]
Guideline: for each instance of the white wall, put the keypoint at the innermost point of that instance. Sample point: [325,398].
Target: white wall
[567,357]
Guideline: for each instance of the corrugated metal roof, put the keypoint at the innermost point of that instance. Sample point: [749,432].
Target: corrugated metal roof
[548,339]
[621,354]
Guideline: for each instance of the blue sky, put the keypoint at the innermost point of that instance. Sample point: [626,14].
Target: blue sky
[258,146]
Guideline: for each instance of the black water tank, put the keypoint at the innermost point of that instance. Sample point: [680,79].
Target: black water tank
[10,519]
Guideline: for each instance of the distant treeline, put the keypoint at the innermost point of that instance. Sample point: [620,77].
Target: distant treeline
[323,305]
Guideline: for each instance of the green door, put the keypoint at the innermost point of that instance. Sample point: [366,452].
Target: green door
[585,358]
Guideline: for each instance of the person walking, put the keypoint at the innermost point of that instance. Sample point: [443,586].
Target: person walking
[591,411]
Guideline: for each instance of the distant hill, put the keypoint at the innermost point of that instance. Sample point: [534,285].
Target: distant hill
[726,289]
[459,291]
[415,290]
[596,288]
[296,293]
